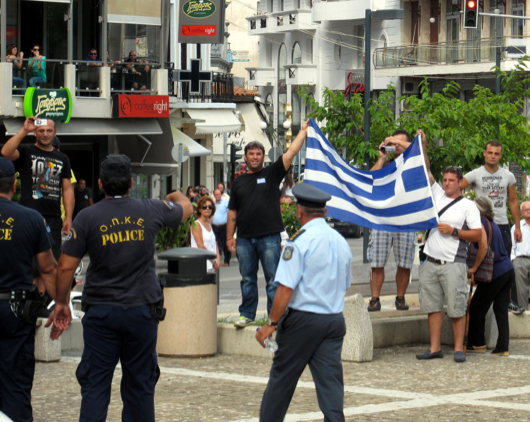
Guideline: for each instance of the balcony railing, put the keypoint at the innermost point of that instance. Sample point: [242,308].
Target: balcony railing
[221,90]
[468,51]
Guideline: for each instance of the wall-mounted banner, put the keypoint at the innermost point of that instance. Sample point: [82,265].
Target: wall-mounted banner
[201,21]
[140,106]
[54,104]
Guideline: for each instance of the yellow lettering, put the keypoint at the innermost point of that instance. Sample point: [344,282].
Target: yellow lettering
[8,234]
[115,222]
[105,239]
[133,235]
[10,221]
[113,237]
[127,220]
[103,228]
[140,222]
[140,235]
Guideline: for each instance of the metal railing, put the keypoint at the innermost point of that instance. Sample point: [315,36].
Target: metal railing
[467,51]
[221,90]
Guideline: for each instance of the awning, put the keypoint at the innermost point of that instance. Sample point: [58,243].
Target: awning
[252,132]
[84,127]
[215,121]
[194,148]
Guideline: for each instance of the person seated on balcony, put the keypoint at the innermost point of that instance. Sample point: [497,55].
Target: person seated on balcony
[36,67]
[89,73]
[139,72]
[12,55]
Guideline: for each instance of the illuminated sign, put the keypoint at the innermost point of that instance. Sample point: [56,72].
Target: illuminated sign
[198,9]
[201,21]
[54,104]
[140,106]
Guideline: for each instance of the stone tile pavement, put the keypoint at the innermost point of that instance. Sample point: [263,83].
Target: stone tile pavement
[394,387]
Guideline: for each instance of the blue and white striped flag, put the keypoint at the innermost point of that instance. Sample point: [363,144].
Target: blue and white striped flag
[397,198]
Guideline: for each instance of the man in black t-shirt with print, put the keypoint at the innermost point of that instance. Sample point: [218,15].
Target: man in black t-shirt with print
[44,175]
[121,295]
[254,208]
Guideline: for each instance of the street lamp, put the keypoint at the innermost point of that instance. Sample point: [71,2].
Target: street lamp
[380,15]
[267,127]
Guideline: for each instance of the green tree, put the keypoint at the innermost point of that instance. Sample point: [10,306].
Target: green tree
[456,130]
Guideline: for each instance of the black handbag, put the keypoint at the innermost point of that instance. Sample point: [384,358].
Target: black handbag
[422,254]
[484,273]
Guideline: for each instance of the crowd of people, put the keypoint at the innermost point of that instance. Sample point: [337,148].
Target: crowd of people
[306,276]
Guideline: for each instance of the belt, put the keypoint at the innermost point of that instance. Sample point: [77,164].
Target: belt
[437,261]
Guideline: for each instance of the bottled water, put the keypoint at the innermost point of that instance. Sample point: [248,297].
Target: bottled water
[270,343]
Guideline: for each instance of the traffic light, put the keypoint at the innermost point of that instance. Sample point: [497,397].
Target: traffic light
[233,153]
[471,14]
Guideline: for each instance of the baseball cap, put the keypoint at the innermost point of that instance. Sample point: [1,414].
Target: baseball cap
[116,166]
[7,169]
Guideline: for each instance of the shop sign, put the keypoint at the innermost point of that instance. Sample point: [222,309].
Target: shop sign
[198,30]
[140,106]
[198,9]
[54,104]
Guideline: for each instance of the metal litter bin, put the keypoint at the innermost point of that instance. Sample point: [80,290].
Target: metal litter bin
[190,297]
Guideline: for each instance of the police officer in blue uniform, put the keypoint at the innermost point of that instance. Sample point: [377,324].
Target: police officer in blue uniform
[122,296]
[313,276]
[23,237]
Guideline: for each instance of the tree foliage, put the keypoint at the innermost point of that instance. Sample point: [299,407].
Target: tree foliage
[457,131]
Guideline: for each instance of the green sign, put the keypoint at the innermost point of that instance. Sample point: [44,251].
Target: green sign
[198,8]
[55,104]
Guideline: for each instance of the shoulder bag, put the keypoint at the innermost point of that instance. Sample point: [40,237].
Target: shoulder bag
[484,273]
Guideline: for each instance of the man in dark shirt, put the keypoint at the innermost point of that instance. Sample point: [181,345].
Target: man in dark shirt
[83,197]
[254,208]
[122,295]
[44,175]
[23,238]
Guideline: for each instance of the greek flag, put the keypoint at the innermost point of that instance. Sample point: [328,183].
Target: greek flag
[397,198]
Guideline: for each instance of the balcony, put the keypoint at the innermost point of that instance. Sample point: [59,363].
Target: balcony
[261,76]
[342,10]
[301,74]
[285,21]
[221,90]
[468,56]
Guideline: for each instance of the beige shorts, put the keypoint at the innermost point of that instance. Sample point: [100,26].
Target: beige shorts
[441,284]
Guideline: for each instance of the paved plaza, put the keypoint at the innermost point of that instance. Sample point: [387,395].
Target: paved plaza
[394,387]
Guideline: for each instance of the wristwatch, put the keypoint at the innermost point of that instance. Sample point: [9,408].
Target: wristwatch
[455,233]
[272,324]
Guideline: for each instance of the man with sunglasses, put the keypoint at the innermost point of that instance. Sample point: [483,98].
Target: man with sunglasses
[498,184]
[443,275]
[138,71]
[254,208]
[89,73]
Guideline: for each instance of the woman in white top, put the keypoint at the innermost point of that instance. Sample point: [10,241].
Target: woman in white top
[202,235]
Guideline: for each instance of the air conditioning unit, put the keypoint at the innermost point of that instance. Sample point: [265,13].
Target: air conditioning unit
[410,87]
[516,48]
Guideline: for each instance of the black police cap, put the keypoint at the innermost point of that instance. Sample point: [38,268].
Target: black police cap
[7,169]
[116,166]
[310,196]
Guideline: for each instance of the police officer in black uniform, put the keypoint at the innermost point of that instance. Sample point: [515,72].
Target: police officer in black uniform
[23,237]
[122,296]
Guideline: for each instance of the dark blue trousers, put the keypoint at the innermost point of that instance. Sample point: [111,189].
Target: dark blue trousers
[128,335]
[17,364]
[306,338]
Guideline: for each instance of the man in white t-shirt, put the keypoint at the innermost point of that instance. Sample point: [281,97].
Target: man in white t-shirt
[443,275]
[498,184]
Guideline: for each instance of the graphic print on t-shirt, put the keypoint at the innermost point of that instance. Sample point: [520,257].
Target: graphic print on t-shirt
[46,177]
[492,188]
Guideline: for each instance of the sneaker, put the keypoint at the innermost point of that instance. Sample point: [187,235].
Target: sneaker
[401,305]
[515,309]
[460,357]
[428,355]
[374,305]
[500,352]
[242,322]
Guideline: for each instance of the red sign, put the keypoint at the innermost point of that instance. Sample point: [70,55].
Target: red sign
[11,33]
[146,106]
[198,30]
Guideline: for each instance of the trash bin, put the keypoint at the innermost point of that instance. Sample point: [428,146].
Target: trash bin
[190,297]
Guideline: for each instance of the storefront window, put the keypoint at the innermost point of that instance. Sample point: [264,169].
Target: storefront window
[144,39]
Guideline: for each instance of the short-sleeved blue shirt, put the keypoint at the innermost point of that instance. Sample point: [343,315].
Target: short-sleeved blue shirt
[317,266]
[119,236]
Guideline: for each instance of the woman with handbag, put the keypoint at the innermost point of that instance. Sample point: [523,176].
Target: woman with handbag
[494,274]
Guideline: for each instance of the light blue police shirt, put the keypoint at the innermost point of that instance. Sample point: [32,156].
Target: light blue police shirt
[317,266]
[221,213]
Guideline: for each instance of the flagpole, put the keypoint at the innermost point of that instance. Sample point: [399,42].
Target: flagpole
[367,91]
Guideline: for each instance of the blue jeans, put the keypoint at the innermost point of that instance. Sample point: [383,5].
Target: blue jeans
[36,80]
[267,250]
[19,82]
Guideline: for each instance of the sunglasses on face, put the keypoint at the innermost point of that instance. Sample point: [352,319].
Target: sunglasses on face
[207,207]
[132,55]
[93,54]
[36,49]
